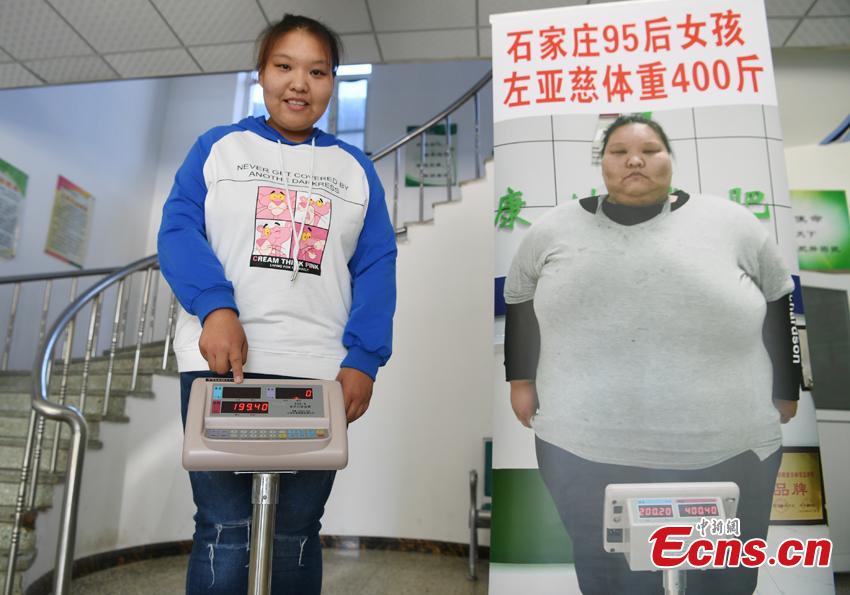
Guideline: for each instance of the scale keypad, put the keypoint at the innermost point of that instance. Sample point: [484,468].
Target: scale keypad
[266,434]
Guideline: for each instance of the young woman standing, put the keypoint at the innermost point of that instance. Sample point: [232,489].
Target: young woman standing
[277,243]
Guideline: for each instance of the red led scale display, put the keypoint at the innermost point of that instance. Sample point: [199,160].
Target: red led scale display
[245,407]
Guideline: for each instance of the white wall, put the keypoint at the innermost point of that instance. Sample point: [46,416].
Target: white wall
[410,456]
[813,87]
[103,137]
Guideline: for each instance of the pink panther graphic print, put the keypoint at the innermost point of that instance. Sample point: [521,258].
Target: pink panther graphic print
[274,234]
[273,238]
[271,204]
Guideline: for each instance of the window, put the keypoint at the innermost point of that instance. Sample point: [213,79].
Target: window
[351,111]
[346,113]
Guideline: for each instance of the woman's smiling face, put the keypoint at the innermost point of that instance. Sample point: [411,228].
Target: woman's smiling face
[636,166]
[297,83]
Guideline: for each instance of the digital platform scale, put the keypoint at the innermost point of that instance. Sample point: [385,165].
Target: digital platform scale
[264,427]
[634,511]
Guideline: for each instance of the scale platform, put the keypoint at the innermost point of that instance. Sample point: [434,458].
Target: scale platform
[265,425]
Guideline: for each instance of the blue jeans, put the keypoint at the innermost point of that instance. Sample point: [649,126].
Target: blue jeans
[220,549]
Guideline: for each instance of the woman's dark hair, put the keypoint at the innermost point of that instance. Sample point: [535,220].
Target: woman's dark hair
[635,119]
[293,22]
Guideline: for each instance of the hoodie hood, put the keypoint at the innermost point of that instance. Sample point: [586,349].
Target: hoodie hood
[259,126]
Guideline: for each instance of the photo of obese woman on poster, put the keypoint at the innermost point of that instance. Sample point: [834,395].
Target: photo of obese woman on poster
[648,340]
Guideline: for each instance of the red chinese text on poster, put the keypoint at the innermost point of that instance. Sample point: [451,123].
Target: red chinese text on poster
[589,59]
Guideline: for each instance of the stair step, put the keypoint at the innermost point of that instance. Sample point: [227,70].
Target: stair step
[157,347]
[12,451]
[24,561]
[12,475]
[92,418]
[22,401]
[123,364]
[25,558]
[15,404]
[10,481]
[120,381]
[27,535]
[17,584]
[428,222]
[74,382]
[16,423]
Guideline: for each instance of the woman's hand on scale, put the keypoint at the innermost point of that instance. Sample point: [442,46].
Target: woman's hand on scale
[223,343]
[356,391]
[524,400]
[787,410]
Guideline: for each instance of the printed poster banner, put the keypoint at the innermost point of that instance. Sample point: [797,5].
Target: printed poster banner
[13,189]
[631,56]
[433,169]
[799,494]
[725,143]
[70,223]
[822,230]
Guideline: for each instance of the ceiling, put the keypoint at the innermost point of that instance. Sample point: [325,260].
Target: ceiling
[47,42]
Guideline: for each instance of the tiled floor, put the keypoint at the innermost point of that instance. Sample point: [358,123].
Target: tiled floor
[346,572]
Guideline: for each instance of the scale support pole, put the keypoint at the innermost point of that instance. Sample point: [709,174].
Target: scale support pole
[264,498]
[674,581]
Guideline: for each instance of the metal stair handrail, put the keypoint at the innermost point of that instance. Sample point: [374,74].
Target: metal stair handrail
[17,281]
[443,115]
[79,431]
[35,277]
[452,108]
[42,406]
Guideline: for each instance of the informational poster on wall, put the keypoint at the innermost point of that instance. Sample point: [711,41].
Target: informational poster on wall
[822,230]
[70,223]
[799,494]
[13,189]
[702,71]
[440,157]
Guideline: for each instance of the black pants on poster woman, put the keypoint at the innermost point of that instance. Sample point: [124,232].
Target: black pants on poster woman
[578,487]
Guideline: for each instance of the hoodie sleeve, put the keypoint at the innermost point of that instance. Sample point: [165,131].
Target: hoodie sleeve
[779,334]
[368,333]
[186,258]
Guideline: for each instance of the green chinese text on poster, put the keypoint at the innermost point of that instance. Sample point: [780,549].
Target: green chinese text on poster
[822,230]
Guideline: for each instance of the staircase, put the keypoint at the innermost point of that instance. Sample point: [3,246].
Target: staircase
[15,405]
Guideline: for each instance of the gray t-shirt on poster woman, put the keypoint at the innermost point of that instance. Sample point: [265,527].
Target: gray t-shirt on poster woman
[651,350]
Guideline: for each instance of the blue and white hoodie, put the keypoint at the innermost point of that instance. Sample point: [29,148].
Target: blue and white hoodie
[295,238]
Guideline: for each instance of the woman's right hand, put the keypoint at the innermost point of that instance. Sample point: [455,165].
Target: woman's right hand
[524,400]
[223,343]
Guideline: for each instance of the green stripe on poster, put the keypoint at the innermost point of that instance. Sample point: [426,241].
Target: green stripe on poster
[525,526]
[16,175]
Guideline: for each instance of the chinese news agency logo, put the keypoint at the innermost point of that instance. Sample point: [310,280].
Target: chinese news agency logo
[719,545]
